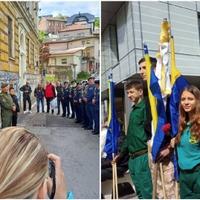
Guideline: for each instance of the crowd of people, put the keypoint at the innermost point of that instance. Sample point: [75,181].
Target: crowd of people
[76,100]
[28,170]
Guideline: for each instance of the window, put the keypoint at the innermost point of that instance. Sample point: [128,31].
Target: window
[88,41]
[64,61]
[10,38]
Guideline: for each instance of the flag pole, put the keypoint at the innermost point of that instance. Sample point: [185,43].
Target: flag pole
[162,180]
[113,177]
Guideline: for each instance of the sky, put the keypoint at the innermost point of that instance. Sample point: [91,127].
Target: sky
[69,8]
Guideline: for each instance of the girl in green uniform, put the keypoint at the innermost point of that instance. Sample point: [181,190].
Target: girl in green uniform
[188,143]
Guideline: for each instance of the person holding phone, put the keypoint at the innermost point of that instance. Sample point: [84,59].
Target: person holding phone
[24,171]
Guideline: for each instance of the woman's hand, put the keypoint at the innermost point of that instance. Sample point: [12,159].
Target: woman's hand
[61,190]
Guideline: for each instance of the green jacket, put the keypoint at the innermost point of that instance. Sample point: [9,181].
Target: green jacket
[136,138]
[6,103]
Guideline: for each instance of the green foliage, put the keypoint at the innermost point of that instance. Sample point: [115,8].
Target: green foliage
[83,76]
[69,74]
[97,22]
[42,35]
[60,16]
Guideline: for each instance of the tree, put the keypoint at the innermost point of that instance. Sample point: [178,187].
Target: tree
[42,35]
[83,76]
[96,22]
[60,16]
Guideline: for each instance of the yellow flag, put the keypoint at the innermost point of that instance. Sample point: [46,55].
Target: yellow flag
[152,99]
[175,73]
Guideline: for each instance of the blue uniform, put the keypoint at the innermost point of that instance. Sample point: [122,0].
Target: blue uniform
[71,100]
[89,105]
[85,119]
[59,90]
[96,111]
[78,105]
[65,101]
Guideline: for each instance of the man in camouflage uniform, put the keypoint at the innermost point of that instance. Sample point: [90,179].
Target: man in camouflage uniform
[7,106]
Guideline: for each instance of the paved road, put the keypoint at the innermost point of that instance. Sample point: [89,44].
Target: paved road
[78,148]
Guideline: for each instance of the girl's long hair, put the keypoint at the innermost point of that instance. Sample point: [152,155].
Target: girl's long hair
[183,116]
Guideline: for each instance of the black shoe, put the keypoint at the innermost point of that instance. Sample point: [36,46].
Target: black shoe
[52,111]
[95,133]
[71,117]
[63,115]
[58,113]
[88,128]
[77,121]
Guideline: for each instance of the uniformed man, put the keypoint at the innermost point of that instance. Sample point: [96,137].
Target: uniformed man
[78,103]
[88,99]
[95,101]
[85,120]
[59,90]
[71,98]
[7,106]
[65,99]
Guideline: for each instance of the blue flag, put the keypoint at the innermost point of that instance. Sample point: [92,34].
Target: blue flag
[111,145]
[159,134]
[179,84]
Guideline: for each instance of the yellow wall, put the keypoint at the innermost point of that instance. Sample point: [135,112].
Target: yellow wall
[12,64]
[6,64]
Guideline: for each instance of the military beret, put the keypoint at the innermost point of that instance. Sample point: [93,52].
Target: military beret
[3,85]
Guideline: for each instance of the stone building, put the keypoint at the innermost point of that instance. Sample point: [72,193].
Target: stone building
[50,24]
[75,49]
[19,44]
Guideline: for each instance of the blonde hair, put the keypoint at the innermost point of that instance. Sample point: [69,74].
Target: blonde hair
[23,163]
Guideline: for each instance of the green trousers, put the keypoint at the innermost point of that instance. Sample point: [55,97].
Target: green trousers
[141,176]
[190,185]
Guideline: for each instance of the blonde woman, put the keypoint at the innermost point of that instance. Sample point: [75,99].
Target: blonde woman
[24,167]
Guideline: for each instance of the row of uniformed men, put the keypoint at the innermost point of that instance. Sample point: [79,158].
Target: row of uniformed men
[83,98]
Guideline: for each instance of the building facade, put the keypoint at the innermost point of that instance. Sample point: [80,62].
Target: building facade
[127,25]
[75,49]
[50,24]
[69,57]
[19,44]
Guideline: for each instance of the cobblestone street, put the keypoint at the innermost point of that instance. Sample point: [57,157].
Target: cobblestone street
[78,149]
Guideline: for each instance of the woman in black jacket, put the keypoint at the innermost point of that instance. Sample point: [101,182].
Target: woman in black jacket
[15,101]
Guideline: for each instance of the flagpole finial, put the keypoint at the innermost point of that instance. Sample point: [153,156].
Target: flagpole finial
[165,29]
[145,48]
[110,77]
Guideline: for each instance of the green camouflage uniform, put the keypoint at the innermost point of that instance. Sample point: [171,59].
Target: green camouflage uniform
[6,103]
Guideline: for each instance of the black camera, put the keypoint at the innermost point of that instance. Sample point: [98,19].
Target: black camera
[52,175]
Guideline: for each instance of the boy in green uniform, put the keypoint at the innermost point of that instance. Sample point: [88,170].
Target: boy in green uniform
[136,142]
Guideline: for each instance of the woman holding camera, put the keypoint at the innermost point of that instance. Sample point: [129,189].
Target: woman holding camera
[24,167]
